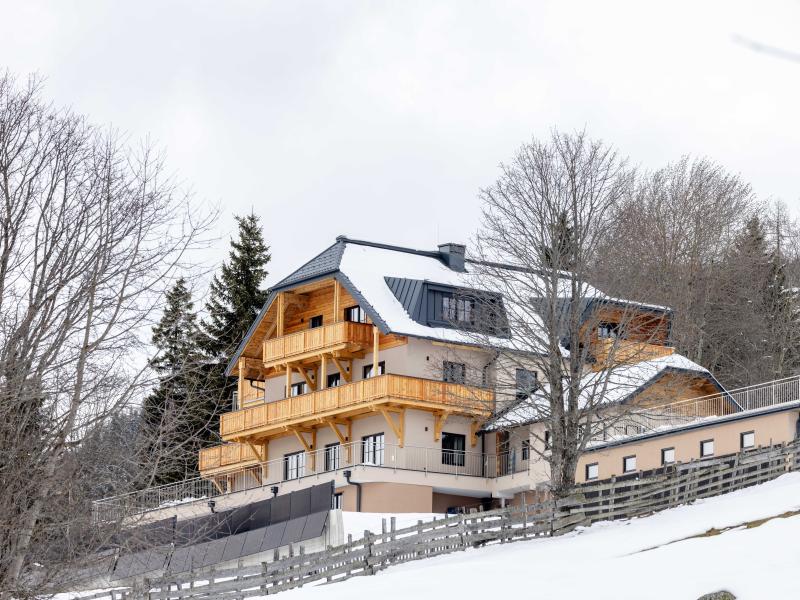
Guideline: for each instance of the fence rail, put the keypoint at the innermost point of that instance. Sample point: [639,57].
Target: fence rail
[605,500]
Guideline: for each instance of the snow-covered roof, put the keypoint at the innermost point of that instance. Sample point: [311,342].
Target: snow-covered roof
[366,268]
[614,386]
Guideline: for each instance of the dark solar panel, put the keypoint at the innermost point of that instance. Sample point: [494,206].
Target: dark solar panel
[315,525]
[274,536]
[300,503]
[157,559]
[196,555]
[261,512]
[321,497]
[294,531]
[123,567]
[233,549]
[253,541]
[214,552]
[280,509]
[179,559]
[239,519]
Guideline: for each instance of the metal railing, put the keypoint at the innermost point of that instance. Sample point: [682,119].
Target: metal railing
[311,464]
[684,412]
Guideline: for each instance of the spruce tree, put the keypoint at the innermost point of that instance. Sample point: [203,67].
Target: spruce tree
[235,299]
[175,416]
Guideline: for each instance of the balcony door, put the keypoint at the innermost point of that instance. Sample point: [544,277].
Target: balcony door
[294,465]
[372,449]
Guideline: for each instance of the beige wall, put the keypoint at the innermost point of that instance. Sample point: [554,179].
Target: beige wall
[773,428]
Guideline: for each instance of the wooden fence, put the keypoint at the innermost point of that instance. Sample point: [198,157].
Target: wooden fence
[616,498]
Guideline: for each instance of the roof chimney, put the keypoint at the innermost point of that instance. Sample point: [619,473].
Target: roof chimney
[453,255]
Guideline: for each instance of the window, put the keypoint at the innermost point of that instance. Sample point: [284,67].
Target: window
[747,439]
[634,429]
[629,464]
[336,501]
[294,465]
[298,389]
[355,314]
[592,471]
[526,450]
[547,438]
[526,383]
[334,380]
[316,321]
[453,445]
[667,456]
[372,449]
[608,330]
[453,372]
[333,453]
[366,372]
[707,448]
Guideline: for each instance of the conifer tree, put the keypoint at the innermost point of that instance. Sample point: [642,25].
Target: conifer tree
[175,416]
[235,299]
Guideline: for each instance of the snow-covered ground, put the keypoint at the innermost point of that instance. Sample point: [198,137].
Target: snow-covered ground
[654,557]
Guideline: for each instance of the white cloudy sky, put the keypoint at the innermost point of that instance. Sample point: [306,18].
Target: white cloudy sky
[381,120]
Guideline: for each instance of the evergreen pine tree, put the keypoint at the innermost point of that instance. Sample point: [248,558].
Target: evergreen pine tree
[174,416]
[235,299]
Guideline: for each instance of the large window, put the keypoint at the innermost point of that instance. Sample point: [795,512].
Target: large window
[747,439]
[372,449]
[608,330]
[526,450]
[707,448]
[629,464]
[526,383]
[667,456]
[316,321]
[366,372]
[592,471]
[294,465]
[457,310]
[453,447]
[355,314]
[454,372]
[334,380]
[333,454]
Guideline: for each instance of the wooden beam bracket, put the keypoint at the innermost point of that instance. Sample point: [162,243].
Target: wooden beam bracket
[397,427]
[439,420]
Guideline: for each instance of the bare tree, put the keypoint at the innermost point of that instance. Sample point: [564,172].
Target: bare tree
[547,215]
[91,233]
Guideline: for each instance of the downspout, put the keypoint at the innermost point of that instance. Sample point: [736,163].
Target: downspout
[347,474]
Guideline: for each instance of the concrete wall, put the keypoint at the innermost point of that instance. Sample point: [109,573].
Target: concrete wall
[772,428]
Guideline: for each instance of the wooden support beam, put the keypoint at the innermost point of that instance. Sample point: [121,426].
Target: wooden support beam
[473,433]
[254,450]
[299,435]
[439,420]
[280,316]
[337,302]
[288,380]
[217,485]
[240,383]
[265,461]
[397,428]
[334,425]
[376,336]
[323,371]
[309,382]
[346,375]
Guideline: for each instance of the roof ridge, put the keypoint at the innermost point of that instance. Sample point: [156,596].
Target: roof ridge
[383,246]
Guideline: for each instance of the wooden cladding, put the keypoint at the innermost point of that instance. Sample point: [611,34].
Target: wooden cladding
[226,455]
[626,352]
[361,395]
[310,341]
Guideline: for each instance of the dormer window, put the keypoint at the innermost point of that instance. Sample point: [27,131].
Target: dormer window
[456,310]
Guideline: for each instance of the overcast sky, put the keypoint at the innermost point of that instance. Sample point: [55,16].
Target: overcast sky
[381,120]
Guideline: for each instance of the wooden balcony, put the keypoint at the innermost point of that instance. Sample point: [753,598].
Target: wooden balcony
[627,351]
[341,336]
[265,420]
[226,455]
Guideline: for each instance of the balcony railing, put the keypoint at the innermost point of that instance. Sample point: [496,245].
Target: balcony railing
[225,455]
[311,464]
[626,351]
[309,341]
[352,396]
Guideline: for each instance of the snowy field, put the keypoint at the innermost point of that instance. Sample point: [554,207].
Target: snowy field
[655,557]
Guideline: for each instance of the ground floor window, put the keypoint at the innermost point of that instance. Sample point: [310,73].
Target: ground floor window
[453,446]
[526,450]
[667,456]
[372,449]
[294,465]
[747,439]
[336,501]
[629,464]
[333,453]
[592,471]
[707,448]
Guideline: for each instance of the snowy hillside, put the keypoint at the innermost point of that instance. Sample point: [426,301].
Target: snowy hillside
[657,557]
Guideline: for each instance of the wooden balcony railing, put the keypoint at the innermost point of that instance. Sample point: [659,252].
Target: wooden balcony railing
[360,394]
[308,341]
[627,351]
[226,454]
